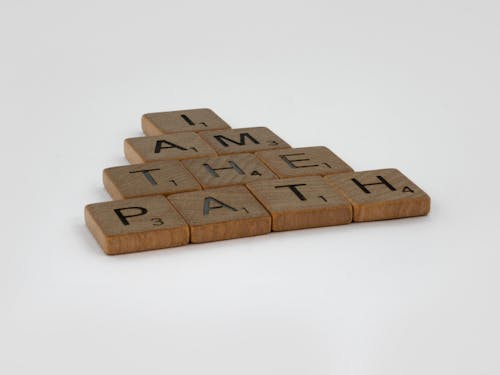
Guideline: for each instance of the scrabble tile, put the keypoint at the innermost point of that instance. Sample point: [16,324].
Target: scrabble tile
[228,170]
[136,224]
[222,213]
[381,194]
[304,161]
[174,146]
[234,141]
[139,180]
[189,120]
[302,202]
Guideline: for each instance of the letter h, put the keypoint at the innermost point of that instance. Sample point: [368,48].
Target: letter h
[382,180]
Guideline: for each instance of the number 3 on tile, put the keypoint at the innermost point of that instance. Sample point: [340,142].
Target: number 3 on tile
[157,221]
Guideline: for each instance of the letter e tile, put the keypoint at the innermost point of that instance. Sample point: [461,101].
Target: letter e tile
[304,161]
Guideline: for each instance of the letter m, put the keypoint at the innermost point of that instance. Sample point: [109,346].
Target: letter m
[243,136]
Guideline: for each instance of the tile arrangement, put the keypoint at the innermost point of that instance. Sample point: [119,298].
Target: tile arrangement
[194,179]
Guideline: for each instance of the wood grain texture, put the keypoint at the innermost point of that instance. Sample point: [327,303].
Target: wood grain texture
[381,194]
[222,213]
[228,170]
[304,161]
[136,224]
[139,180]
[234,141]
[189,120]
[174,146]
[301,202]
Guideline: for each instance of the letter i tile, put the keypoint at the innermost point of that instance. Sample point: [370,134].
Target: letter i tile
[188,120]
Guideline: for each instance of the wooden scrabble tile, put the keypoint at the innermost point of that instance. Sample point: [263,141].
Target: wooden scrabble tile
[174,146]
[302,202]
[381,194]
[221,214]
[189,120]
[304,161]
[136,224]
[139,180]
[234,141]
[228,170]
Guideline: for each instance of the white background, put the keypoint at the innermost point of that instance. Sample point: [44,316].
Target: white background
[408,84]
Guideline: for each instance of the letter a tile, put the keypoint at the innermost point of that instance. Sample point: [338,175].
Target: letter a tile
[221,214]
[234,141]
[139,180]
[228,170]
[175,146]
[302,202]
[304,161]
[190,120]
[381,194]
[136,224]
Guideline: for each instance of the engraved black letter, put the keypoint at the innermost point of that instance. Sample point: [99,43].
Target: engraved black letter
[188,120]
[293,187]
[123,218]
[148,175]
[159,146]
[213,171]
[291,162]
[207,208]
[383,182]
[222,140]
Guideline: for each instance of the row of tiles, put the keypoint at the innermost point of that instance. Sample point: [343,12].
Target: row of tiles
[188,145]
[256,208]
[176,176]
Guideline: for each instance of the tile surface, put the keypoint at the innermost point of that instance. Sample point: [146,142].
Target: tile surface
[228,170]
[222,213]
[304,161]
[174,146]
[189,120]
[302,202]
[235,141]
[136,224]
[381,194]
[138,180]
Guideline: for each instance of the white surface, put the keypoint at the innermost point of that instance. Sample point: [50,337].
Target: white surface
[412,85]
